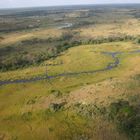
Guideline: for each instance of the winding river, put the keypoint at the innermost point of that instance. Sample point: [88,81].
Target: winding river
[110,66]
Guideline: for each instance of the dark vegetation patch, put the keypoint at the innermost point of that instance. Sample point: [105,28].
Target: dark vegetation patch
[137,77]
[1,38]
[138,40]
[89,110]
[17,28]
[54,107]
[37,41]
[126,117]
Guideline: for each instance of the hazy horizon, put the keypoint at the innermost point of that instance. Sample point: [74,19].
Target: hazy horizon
[40,3]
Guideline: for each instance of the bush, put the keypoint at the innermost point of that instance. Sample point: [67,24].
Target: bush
[138,40]
[54,107]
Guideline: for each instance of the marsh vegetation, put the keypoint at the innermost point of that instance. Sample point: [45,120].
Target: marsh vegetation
[70,73]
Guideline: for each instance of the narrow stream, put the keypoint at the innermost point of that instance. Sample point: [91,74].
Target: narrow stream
[110,66]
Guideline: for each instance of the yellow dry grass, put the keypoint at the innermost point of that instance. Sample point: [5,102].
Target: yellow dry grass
[19,36]
[130,27]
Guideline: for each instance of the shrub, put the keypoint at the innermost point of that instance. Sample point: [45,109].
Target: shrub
[27,116]
[138,40]
[54,107]
[56,93]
